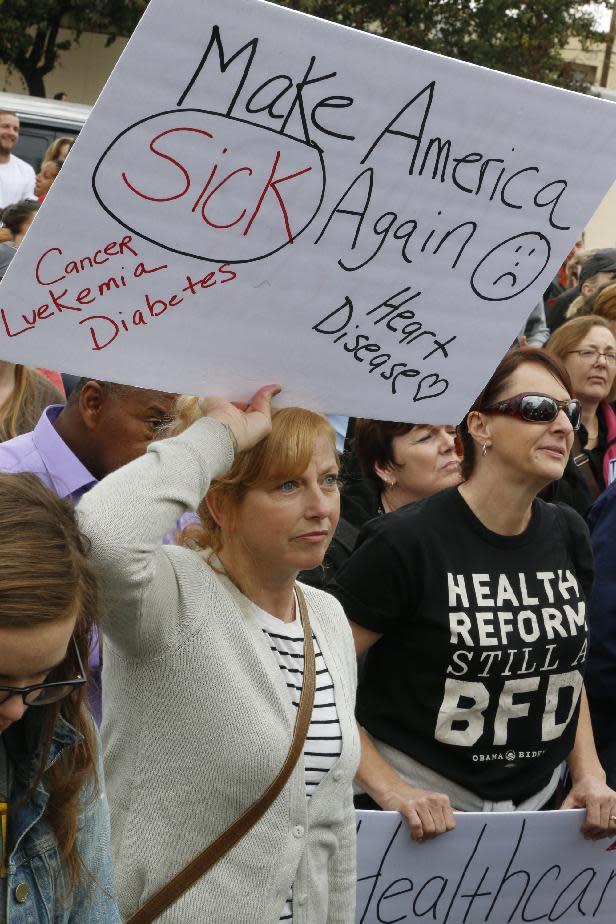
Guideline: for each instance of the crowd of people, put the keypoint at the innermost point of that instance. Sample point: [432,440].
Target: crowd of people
[18,181]
[425,625]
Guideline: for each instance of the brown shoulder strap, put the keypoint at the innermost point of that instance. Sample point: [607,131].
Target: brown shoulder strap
[176,887]
[582,463]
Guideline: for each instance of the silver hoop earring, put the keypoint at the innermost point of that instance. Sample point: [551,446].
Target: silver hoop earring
[484,451]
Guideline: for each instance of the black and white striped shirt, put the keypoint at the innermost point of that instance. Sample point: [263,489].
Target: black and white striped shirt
[323,743]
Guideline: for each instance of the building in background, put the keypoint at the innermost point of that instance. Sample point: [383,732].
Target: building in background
[82,72]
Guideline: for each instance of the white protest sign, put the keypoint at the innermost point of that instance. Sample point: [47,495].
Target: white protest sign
[511,868]
[262,196]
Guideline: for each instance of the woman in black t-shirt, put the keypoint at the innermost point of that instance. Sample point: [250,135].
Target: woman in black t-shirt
[471,606]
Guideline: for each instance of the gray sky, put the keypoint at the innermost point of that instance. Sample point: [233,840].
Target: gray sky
[602,15]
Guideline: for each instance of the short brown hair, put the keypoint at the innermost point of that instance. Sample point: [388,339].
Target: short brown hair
[567,337]
[495,387]
[372,444]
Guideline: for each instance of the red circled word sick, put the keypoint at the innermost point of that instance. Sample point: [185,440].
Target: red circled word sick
[253,192]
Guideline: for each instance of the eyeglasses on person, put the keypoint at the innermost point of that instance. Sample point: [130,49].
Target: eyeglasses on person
[537,408]
[591,356]
[42,694]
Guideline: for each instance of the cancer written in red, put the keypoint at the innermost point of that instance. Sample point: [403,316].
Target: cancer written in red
[59,303]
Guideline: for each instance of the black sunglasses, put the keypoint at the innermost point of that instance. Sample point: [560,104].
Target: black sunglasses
[42,694]
[537,408]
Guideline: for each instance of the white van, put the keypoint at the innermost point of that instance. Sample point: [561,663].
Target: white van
[41,122]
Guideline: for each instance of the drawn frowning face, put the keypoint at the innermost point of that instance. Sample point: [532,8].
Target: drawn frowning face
[511,267]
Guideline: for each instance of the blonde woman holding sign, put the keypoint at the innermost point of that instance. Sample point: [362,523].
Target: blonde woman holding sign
[207,664]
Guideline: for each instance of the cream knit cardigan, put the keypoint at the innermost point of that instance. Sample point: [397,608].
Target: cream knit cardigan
[197,717]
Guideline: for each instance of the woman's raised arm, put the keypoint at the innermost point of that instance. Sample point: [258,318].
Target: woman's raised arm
[127,514]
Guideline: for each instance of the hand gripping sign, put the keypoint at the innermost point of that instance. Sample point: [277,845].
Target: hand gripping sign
[259,195]
[514,867]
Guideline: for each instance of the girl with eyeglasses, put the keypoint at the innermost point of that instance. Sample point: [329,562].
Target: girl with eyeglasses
[55,860]
[471,607]
[586,346]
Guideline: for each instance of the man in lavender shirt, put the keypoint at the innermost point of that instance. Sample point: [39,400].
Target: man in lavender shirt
[102,427]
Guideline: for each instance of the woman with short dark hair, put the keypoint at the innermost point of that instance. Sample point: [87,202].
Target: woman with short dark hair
[471,607]
[406,462]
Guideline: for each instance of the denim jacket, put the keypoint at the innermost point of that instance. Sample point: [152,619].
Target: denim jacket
[36,891]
